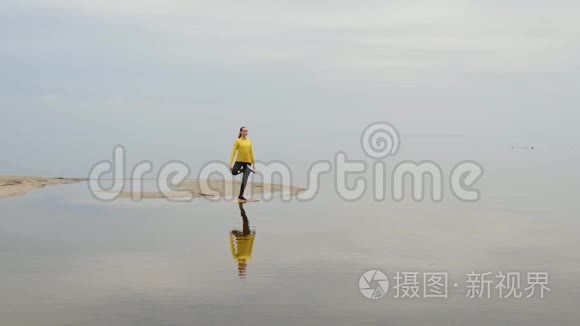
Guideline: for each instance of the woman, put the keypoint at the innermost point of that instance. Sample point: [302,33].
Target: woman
[245,162]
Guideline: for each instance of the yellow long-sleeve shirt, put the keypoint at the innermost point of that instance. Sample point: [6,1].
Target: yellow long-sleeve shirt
[244,149]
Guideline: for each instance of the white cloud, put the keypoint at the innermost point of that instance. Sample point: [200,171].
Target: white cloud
[476,36]
[177,52]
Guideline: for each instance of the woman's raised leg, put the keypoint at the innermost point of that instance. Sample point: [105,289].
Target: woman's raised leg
[236,169]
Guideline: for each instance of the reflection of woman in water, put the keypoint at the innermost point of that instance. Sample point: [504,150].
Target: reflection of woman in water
[241,243]
[245,162]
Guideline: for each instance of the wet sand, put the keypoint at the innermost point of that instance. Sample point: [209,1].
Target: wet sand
[18,185]
[216,188]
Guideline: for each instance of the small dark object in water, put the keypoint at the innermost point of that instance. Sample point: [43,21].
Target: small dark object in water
[522,147]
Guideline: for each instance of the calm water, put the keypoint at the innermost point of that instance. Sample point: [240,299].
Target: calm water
[68,259]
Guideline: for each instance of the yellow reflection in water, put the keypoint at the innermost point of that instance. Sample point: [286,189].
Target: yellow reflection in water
[241,243]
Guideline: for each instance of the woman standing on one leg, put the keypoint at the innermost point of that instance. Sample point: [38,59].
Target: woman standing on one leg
[245,162]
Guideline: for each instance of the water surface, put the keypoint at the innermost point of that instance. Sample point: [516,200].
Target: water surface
[68,259]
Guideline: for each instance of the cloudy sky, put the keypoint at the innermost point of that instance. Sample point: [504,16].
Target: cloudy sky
[170,77]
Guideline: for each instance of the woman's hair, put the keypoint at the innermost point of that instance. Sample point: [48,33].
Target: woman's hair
[240,133]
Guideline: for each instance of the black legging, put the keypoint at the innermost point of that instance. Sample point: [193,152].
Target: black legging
[238,168]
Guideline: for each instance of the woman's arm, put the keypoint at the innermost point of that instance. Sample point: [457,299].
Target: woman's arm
[252,155]
[234,149]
